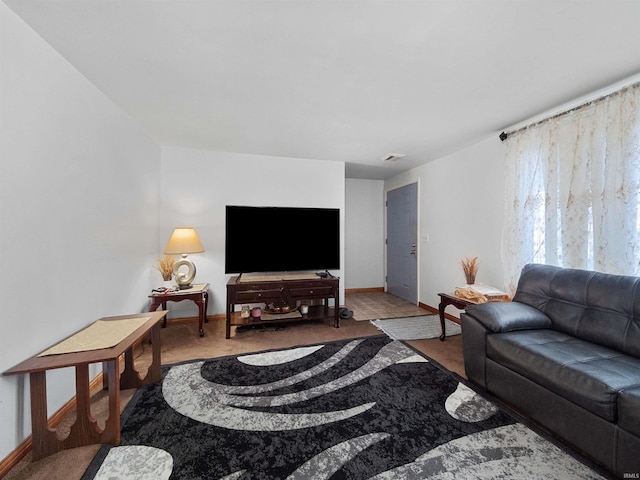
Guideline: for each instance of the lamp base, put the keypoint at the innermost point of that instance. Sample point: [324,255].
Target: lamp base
[184,280]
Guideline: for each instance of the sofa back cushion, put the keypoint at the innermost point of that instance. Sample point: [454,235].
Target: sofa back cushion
[598,307]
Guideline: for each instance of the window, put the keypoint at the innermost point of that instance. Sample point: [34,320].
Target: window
[573,189]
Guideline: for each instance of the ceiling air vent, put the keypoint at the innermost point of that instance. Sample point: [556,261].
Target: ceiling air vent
[392,157]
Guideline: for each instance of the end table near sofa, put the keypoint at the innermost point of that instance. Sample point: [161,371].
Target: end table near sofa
[447,299]
[197,293]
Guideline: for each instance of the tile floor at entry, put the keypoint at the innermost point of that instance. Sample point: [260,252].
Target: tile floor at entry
[379,305]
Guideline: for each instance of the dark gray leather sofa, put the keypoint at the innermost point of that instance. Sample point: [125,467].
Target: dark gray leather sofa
[566,352]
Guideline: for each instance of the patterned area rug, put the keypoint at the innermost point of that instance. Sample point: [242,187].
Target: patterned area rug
[416,328]
[369,408]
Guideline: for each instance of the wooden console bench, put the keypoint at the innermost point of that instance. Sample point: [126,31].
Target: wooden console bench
[85,430]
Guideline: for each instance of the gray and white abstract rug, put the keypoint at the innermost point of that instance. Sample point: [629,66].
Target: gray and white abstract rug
[369,408]
[416,328]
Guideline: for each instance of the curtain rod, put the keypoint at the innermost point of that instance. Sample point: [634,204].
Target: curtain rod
[503,136]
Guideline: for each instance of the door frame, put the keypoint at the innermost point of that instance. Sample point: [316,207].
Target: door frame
[387,188]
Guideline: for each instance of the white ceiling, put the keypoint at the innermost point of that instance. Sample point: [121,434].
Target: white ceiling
[340,80]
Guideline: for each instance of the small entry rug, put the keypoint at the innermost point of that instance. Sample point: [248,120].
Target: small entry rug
[369,408]
[416,328]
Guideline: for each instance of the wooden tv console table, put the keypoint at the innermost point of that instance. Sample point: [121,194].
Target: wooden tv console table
[286,292]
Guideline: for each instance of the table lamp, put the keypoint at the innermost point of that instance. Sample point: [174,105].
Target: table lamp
[184,240]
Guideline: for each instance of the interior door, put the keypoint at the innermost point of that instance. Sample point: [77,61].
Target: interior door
[402,238]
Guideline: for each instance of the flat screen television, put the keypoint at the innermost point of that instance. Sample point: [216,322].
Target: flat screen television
[281,239]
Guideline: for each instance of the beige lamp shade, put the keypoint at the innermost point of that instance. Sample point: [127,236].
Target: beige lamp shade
[183,240]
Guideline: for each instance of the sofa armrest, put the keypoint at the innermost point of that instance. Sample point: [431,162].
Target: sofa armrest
[508,316]
[474,349]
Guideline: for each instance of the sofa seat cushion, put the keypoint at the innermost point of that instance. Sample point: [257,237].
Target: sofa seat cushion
[629,410]
[584,373]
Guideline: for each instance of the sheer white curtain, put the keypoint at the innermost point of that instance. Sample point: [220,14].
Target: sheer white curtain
[573,190]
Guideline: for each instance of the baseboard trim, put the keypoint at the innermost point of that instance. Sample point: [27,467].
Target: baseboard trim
[220,316]
[14,457]
[25,447]
[349,291]
[436,311]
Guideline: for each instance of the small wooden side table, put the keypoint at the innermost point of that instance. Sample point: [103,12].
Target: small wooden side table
[447,299]
[85,430]
[198,293]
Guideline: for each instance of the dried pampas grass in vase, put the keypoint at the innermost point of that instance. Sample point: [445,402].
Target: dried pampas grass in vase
[165,267]
[470,267]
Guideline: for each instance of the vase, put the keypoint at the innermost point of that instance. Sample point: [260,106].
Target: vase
[167,284]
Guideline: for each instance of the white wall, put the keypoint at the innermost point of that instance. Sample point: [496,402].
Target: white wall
[79,214]
[460,211]
[198,184]
[364,239]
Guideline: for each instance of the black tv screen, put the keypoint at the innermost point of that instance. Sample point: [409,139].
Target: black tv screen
[281,239]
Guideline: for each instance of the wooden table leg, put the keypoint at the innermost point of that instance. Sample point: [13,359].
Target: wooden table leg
[112,426]
[201,313]
[155,369]
[206,306]
[44,439]
[445,300]
[85,430]
[441,308]
[130,377]
[154,306]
